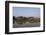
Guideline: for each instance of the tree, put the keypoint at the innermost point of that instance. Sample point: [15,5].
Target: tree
[14,19]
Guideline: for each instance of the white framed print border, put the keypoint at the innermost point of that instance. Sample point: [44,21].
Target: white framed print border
[9,21]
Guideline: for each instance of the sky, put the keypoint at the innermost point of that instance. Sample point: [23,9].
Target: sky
[26,11]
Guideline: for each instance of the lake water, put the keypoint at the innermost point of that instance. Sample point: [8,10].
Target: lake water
[27,24]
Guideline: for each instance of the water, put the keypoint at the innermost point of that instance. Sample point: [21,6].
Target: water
[27,24]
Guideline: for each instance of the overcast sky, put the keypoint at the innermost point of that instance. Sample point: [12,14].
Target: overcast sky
[26,11]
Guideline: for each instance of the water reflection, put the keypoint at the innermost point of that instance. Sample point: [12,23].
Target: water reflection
[27,24]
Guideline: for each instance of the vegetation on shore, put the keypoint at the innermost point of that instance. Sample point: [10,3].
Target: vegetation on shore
[21,19]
